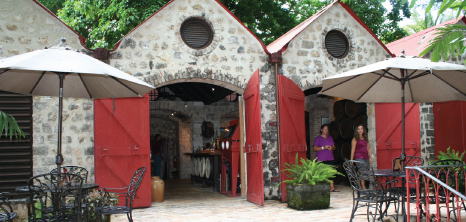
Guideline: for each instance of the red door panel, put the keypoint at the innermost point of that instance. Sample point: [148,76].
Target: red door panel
[449,126]
[122,144]
[292,125]
[253,146]
[388,132]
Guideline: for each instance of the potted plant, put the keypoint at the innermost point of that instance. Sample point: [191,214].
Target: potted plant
[309,185]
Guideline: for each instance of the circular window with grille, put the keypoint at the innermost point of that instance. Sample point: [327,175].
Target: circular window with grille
[337,44]
[196,33]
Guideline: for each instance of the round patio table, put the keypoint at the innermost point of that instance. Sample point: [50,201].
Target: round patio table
[391,177]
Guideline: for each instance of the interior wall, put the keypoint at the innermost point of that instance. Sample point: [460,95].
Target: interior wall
[168,129]
[318,107]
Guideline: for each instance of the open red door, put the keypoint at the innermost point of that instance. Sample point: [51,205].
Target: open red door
[388,132]
[253,146]
[122,137]
[292,125]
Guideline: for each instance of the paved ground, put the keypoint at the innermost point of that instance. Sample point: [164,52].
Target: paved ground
[185,202]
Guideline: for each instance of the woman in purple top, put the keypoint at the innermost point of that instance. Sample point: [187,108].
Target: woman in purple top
[360,148]
[324,147]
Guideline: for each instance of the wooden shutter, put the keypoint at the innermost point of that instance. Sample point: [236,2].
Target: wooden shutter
[122,136]
[292,128]
[253,146]
[388,132]
[16,154]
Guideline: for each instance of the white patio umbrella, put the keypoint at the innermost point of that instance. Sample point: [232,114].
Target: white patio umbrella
[61,71]
[388,81]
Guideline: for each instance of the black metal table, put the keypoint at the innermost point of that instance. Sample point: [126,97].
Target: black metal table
[391,177]
[86,187]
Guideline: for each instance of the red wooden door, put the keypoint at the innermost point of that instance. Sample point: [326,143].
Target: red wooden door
[388,132]
[253,146]
[122,144]
[292,127]
[449,126]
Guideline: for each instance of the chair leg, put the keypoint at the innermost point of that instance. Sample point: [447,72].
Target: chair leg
[353,210]
[130,216]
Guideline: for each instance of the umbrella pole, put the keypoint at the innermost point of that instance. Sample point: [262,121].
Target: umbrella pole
[59,159]
[403,154]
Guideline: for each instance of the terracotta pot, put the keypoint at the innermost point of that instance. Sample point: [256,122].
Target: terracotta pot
[158,189]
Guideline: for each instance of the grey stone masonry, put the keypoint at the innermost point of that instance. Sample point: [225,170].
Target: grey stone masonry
[426,121]
[306,60]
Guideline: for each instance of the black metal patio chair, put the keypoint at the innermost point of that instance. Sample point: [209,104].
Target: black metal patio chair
[373,197]
[129,191]
[55,197]
[6,211]
[73,170]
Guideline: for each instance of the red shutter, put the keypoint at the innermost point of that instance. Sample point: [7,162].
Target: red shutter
[450,126]
[292,128]
[122,144]
[253,146]
[388,132]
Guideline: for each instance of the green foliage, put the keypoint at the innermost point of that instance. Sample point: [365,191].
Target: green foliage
[449,41]
[9,126]
[309,172]
[450,155]
[93,200]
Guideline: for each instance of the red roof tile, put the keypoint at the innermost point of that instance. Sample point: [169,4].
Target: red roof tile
[417,42]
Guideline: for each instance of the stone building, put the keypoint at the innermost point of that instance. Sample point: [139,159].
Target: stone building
[166,52]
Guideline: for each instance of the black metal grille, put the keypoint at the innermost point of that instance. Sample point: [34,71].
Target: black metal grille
[196,33]
[337,44]
[16,154]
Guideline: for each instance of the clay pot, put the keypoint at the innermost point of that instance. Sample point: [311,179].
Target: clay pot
[158,189]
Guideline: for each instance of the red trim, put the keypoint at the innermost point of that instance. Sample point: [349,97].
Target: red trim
[218,2]
[82,40]
[365,26]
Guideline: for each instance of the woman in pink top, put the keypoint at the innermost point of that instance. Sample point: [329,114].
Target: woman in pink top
[360,148]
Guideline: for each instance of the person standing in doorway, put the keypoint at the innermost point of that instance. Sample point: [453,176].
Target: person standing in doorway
[156,154]
[360,148]
[324,147]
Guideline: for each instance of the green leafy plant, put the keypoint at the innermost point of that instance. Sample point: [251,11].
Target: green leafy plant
[450,155]
[309,172]
[93,200]
[9,126]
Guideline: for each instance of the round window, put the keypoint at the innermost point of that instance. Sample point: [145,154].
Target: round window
[337,44]
[196,33]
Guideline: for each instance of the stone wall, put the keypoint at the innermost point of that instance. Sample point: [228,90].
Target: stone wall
[156,53]
[25,26]
[318,107]
[169,130]
[306,60]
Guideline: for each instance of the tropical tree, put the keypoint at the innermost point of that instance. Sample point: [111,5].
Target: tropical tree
[424,22]
[9,126]
[450,39]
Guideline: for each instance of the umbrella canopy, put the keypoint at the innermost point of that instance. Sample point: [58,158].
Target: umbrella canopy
[35,73]
[419,80]
[61,71]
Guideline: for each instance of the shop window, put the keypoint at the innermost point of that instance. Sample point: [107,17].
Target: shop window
[196,33]
[336,44]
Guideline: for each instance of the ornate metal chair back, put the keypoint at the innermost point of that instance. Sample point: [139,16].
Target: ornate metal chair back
[6,211]
[74,170]
[55,197]
[134,185]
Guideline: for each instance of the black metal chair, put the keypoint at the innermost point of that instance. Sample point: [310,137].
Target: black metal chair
[6,211]
[55,197]
[373,196]
[74,170]
[130,192]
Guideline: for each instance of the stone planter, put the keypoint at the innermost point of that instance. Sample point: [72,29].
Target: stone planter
[306,197]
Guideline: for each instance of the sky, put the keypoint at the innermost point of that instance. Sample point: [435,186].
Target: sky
[405,21]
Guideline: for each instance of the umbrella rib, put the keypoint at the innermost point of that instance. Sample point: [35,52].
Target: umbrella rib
[340,83]
[419,75]
[372,85]
[35,85]
[6,70]
[125,85]
[449,84]
[410,90]
[387,72]
[85,86]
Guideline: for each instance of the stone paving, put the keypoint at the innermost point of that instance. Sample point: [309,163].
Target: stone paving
[186,202]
